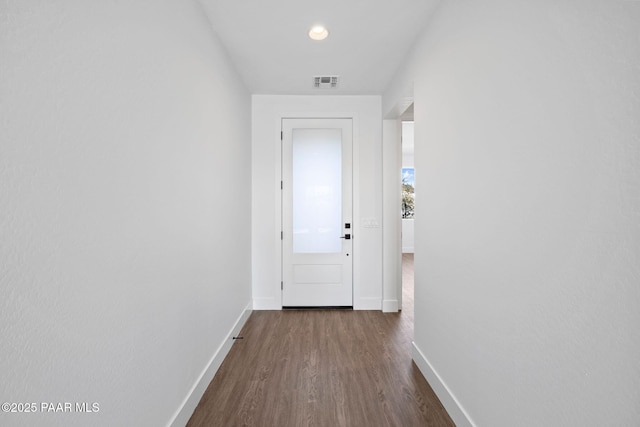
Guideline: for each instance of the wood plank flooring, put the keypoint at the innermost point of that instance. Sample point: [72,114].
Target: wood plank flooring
[322,368]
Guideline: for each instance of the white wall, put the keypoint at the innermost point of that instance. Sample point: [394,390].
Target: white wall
[408,144]
[125,256]
[391,228]
[266,119]
[408,235]
[528,235]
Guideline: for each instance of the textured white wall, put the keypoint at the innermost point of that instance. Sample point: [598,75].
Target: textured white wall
[267,111]
[124,194]
[528,235]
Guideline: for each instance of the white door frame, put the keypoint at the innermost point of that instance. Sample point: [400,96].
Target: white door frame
[392,196]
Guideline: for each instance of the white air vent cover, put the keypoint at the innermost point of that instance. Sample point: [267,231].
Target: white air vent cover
[325,82]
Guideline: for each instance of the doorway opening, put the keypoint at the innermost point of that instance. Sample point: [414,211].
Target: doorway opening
[392,163]
[408,208]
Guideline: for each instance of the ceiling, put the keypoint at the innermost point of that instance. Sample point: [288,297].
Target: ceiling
[268,43]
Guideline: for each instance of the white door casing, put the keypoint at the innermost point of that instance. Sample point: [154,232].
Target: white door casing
[317,223]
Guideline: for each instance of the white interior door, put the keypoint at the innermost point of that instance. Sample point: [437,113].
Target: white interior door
[317,226]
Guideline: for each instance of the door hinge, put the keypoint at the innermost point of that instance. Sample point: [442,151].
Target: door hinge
[282,235]
[281,135]
[281,185]
[281,286]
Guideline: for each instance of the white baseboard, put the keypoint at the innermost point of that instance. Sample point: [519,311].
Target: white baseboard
[189,404]
[390,306]
[407,250]
[267,304]
[448,399]
[372,303]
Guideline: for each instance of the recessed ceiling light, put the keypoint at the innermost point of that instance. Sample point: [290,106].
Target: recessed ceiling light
[318,33]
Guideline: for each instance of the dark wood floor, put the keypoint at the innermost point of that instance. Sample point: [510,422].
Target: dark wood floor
[322,368]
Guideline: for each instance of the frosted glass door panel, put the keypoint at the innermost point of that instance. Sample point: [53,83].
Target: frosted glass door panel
[317,190]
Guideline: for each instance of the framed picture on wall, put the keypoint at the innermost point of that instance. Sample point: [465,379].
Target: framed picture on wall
[408,193]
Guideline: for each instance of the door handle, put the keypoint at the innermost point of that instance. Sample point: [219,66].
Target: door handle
[346,237]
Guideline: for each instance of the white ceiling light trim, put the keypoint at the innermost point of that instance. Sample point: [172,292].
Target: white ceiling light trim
[318,32]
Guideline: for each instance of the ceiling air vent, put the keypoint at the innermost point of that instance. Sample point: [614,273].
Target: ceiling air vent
[325,82]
